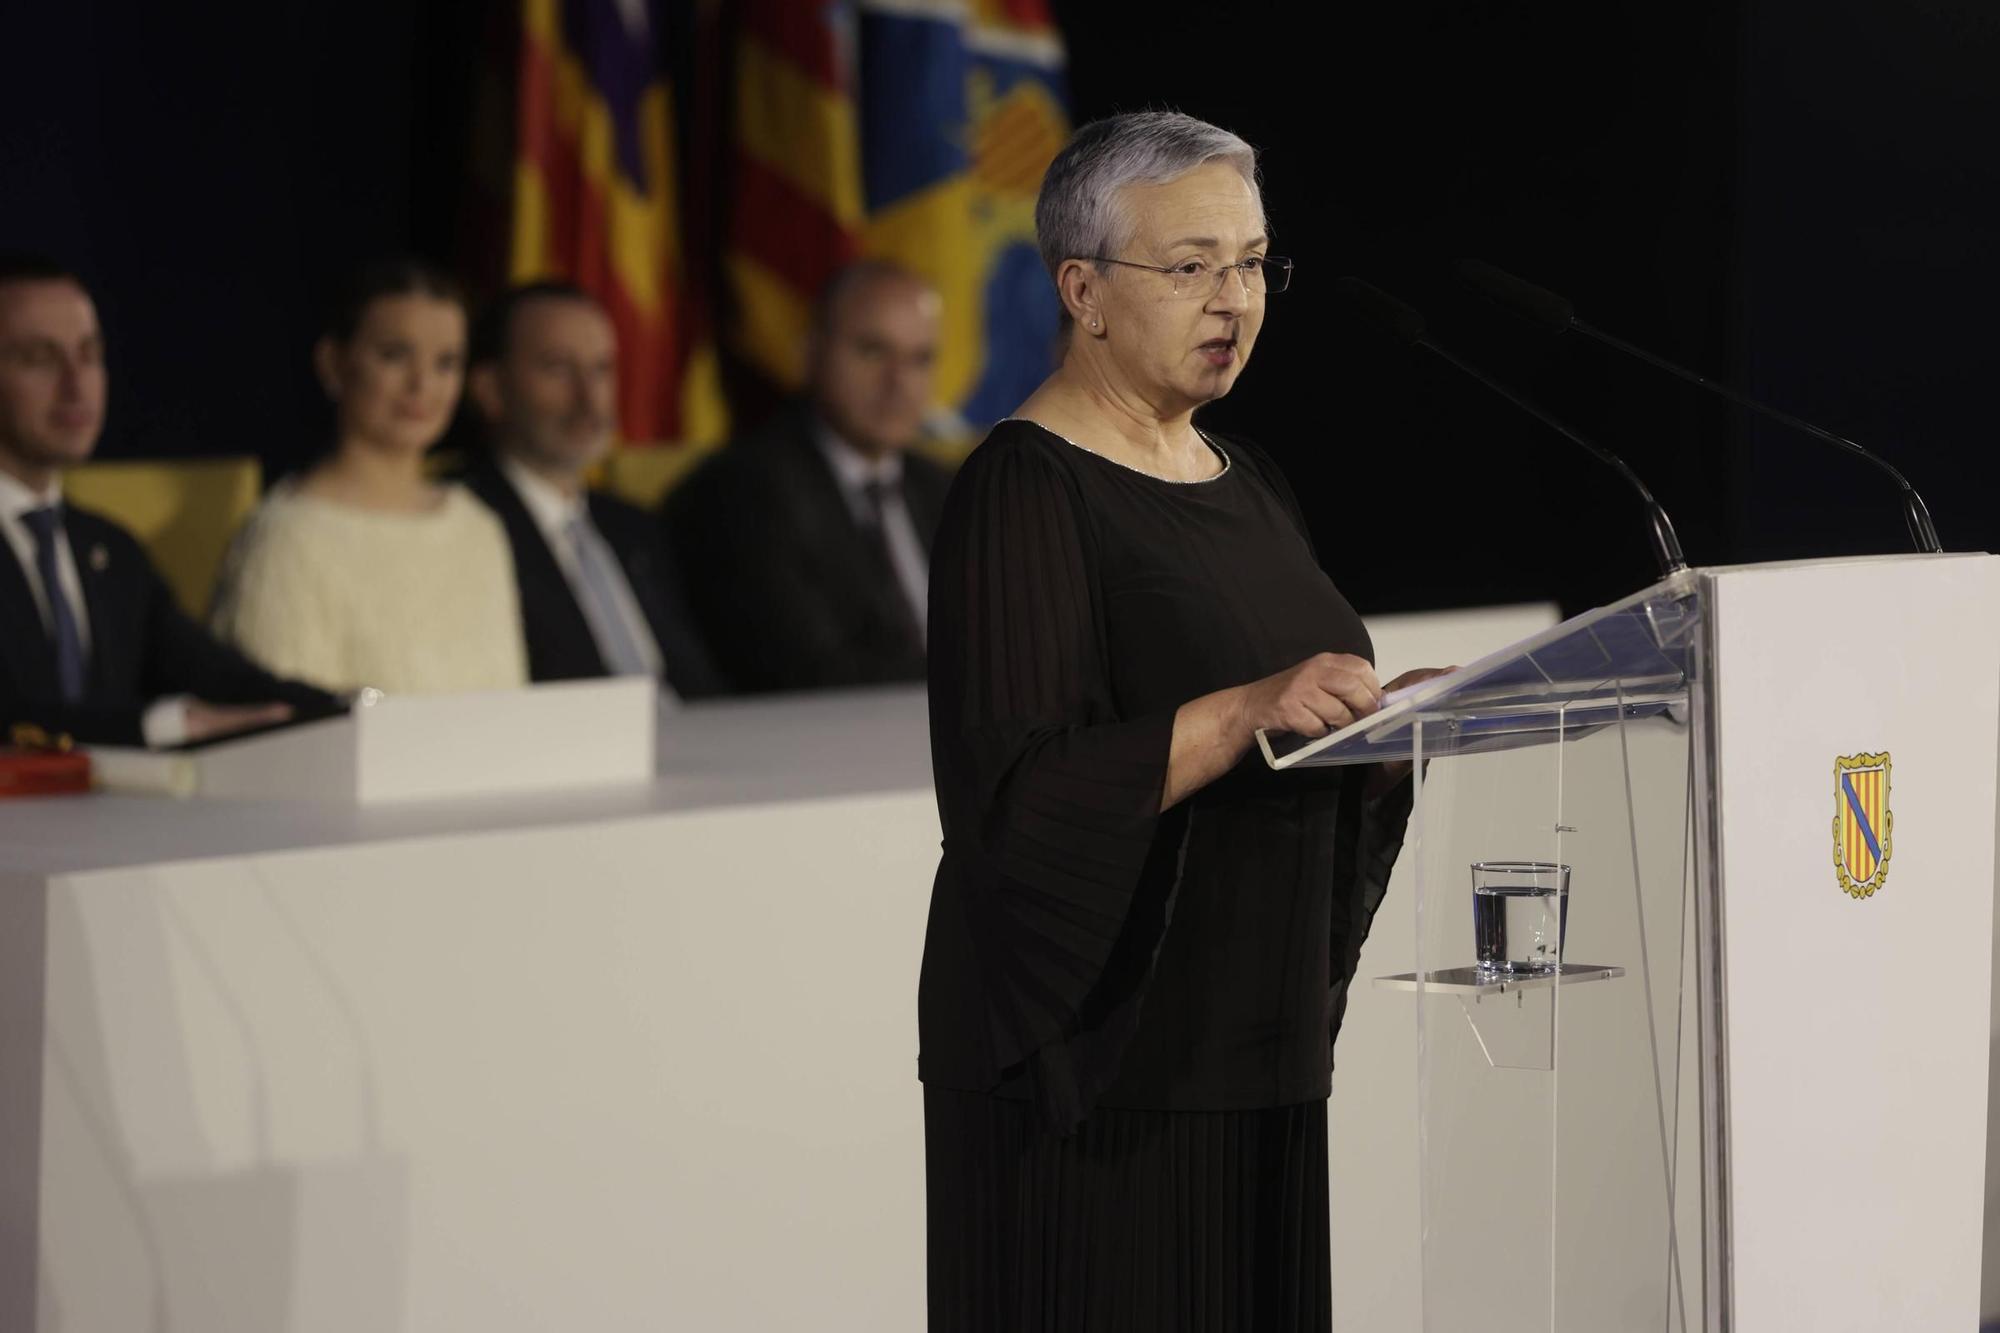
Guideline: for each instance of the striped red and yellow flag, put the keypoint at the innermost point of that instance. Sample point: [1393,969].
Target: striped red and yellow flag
[596,202]
[797,212]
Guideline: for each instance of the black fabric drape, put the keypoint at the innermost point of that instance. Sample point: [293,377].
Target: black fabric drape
[1140,1222]
[1127,1017]
[1048,795]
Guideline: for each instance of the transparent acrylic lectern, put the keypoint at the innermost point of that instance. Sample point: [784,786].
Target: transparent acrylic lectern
[1560,1104]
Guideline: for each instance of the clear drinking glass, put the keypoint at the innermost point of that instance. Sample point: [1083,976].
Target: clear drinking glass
[1519,911]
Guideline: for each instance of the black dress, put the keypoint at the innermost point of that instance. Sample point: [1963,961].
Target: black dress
[1127,1017]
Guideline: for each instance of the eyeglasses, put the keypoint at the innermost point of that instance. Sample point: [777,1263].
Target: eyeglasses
[1199,278]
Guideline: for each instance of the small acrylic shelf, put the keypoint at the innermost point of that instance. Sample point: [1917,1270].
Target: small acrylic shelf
[1471,981]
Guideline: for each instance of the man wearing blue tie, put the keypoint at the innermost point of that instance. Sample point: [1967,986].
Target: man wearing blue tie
[91,643]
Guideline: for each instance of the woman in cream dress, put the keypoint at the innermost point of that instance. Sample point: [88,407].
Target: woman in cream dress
[364,572]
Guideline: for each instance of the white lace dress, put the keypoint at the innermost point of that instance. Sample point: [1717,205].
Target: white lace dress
[345,597]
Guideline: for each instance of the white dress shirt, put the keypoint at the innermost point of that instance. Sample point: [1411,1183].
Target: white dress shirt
[854,470]
[165,721]
[554,510]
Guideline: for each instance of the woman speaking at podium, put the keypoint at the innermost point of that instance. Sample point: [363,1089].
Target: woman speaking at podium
[1140,940]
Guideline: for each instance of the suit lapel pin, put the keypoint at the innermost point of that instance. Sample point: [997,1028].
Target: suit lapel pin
[100,559]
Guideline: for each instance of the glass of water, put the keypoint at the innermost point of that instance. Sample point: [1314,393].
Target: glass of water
[1519,910]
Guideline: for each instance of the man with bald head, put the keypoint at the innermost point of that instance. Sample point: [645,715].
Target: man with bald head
[91,643]
[807,544]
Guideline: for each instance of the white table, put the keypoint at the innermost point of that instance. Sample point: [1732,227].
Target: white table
[636,1059]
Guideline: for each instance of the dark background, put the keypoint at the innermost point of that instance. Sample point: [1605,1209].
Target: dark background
[1801,197]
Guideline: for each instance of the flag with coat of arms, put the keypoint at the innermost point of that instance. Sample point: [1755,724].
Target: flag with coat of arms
[911,130]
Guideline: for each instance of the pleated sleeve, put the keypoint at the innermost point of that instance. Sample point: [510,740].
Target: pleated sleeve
[1048,796]
[1368,840]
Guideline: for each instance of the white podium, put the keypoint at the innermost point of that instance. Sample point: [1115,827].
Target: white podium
[1750,1091]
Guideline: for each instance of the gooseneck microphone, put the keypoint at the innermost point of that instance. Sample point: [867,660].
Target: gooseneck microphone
[1552,312]
[1406,326]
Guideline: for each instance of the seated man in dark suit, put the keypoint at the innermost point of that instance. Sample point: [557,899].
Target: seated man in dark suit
[810,540]
[599,593]
[91,643]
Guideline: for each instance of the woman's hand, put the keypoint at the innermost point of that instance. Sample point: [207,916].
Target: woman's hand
[1213,732]
[1387,775]
[1321,694]
[1317,696]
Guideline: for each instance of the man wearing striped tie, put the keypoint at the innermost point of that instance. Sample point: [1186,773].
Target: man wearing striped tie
[92,645]
[599,594]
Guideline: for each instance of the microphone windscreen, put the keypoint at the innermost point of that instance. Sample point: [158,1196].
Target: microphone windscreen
[1533,303]
[1382,310]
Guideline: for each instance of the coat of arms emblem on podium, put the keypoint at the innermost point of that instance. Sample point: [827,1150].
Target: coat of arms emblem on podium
[1861,822]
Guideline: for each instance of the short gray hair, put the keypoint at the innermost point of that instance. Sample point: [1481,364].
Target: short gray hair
[1078,214]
